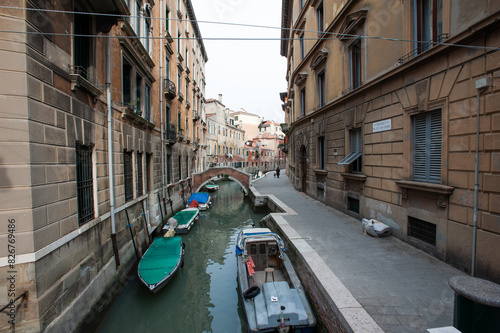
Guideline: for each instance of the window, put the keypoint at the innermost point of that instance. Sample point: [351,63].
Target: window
[428,25]
[422,230]
[301,4]
[137,18]
[128,176]
[187,167]
[321,23]
[303,101]
[179,82]
[82,46]
[167,67]
[353,159]
[140,191]
[355,57]
[427,147]
[147,27]
[126,82]
[147,103]
[353,205]
[180,167]
[167,19]
[302,46]
[321,153]
[321,88]
[138,92]
[84,183]
[169,168]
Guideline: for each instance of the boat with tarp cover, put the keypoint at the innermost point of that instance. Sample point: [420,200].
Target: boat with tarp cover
[200,200]
[182,221]
[273,297]
[160,262]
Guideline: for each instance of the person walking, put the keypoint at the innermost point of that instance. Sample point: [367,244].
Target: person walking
[278,171]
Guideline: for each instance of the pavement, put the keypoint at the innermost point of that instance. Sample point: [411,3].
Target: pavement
[400,287]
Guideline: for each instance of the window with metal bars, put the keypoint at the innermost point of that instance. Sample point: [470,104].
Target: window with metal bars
[139,175]
[427,147]
[84,183]
[422,230]
[128,175]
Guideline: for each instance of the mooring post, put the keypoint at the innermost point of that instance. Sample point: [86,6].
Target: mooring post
[132,235]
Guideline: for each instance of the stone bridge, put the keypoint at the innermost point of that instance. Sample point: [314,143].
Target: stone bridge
[242,178]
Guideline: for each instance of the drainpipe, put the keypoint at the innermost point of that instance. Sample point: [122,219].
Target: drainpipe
[110,151]
[481,86]
[161,108]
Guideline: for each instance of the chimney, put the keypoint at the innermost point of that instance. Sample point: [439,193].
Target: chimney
[220,98]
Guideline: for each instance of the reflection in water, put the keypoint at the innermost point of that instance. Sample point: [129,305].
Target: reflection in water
[201,297]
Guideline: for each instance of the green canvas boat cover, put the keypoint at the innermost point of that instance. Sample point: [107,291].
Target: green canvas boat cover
[160,259]
[184,216]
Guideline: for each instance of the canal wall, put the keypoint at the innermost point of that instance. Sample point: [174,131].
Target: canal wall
[335,307]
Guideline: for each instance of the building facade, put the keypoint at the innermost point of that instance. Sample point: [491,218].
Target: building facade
[383,100]
[225,139]
[88,147]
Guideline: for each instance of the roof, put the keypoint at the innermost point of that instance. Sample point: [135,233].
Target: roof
[244,113]
[285,23]
[196,28]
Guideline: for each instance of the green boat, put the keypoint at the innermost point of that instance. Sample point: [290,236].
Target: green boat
[182,221]
[160,262]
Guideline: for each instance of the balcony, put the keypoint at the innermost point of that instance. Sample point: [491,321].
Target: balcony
[169,88]
[188,105]
[171,133]
[352,88]
[195,115]
[180,96]
[422,47]
[80,77]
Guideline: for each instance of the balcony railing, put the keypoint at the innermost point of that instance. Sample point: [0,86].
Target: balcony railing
[195,115]
[422,47]
[171,133]
[169,88]
[80,77]
[351,88]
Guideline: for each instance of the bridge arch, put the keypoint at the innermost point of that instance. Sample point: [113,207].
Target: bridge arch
[242,178]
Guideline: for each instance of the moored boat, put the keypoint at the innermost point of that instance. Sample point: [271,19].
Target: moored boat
[200,200]
[160,262]
[273,297]
[182,221]
[212,187]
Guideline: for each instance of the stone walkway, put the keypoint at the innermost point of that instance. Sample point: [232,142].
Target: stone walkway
[402,288]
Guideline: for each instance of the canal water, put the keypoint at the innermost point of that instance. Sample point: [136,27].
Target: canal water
[203,296]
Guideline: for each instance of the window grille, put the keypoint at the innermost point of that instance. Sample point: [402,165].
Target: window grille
[84,183]
[422,230]
[127,165]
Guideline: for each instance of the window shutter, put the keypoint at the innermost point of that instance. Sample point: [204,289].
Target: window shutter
[427,147]
[435,147]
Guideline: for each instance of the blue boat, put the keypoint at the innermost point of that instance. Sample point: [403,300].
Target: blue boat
[202,199]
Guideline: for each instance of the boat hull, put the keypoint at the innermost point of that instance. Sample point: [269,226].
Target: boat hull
[160,262]
[279,293]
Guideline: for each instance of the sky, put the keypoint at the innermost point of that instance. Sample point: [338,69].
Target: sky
[248,74]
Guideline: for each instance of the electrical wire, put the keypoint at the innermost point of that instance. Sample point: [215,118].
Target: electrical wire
[324,35]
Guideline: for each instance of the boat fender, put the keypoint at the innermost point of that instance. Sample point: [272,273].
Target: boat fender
[251,292]
[182,263]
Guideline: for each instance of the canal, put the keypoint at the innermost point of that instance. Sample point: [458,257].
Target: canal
[203,296]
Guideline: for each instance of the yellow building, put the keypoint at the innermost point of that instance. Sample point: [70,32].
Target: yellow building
[382,103]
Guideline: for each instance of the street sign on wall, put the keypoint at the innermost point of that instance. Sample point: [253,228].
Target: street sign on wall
[381,126]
